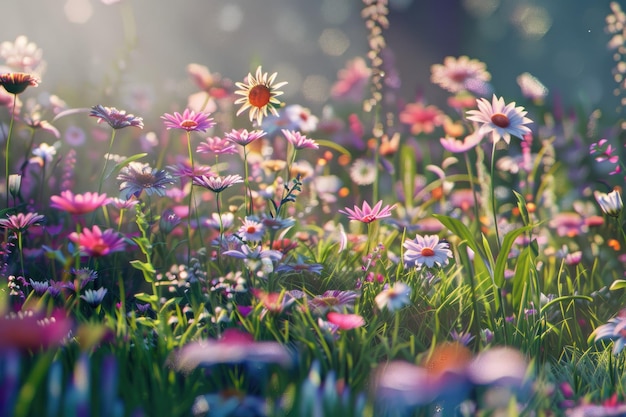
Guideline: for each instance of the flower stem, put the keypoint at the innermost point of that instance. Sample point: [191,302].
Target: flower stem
[6,151]
[493,195]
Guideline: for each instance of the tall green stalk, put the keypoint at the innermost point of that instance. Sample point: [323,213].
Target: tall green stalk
[6,150]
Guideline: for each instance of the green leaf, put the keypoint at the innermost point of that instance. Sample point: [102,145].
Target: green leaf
[507,244]
[333,145]
[145,267]
[461,230]
[407,173]
[618,284]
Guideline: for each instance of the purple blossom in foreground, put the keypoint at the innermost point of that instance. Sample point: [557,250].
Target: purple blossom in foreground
[117,119]
[20,222]
[137,177]
[614,329]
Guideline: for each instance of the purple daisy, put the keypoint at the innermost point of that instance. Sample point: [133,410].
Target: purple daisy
[117,119]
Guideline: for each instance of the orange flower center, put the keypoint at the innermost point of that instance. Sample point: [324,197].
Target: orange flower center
[500,120]
[259,96]
[428,252]
[251,229]
[188,124]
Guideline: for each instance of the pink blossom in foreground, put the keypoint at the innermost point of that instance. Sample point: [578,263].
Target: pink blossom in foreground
[189,121]
[95,242]
[345,321]
[78,203]
[234,346]
[368,214]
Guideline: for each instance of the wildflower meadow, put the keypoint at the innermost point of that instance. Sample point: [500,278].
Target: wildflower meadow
[230,252]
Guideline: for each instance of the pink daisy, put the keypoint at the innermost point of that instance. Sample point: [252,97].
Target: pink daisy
[78,203]
[351,81]
[243,137]
[459,74]
[217,145]
[345,321]
[251,231]
[189,121]
[368,214]
[502,120]
[94,242]
[421,119]
[460,146]
[217,184]
[298,140]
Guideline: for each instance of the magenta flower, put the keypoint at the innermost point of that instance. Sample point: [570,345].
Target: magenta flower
[368,214]
[298,140]
[603,151]
[217,184]
[29,331]
[460,146]
[217,146]
[78,203]
[234,346]
[189,121]
[117,119]
[345,321]
[20,222]
[94,242]
[243,137]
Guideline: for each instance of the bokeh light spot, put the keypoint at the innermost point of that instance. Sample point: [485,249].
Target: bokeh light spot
[230,17]
[481,8]
[316,88]
[333,42]
[336,12]
[532,21]
[78,11]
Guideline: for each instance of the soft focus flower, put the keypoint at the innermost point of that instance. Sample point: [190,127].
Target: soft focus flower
[243,137]
[117,119]
[301,118]
[44,153]
[94,297]
[614,329]
[426,250]
[20,222]
[335,300]
[458,74]
[298,140]
[29,330]
[394,298]
[300,266]
[78,203]
[22,55]
[421,119]
[17,82]
[259,95]
[137,177]
[502,366]
[189,121]
[531,87]
[251,230]
[217,184]
[217,145]
[233,347]
[603,151]
[351,81]
[610,203]
[461,146]
[94,242]
[500,119]
[345,321]
[363,171]
[368,214]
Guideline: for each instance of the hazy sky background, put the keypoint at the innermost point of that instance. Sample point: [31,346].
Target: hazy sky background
[561,42]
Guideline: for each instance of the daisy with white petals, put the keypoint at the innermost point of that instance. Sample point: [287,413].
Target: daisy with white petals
[500,119]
